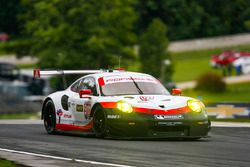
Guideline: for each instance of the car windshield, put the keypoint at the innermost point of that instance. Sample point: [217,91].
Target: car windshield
[133,87]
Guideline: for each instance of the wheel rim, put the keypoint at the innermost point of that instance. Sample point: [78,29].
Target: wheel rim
[49,119]
[99,122]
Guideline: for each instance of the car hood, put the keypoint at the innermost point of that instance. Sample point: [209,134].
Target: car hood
[164,102]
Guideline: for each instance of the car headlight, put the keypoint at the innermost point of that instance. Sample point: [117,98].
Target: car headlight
[195,105]
[124,107]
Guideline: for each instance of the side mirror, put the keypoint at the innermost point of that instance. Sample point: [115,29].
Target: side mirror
[176,91]
[83,92]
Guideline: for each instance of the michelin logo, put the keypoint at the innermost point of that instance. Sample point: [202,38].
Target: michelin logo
[169,117]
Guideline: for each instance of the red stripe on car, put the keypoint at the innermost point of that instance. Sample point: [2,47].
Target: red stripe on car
[181,110]
[69,127]
[108,104]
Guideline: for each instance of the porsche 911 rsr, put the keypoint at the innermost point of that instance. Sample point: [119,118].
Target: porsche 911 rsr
[120,103]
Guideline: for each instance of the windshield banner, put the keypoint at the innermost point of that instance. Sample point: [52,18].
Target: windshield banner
[119,79]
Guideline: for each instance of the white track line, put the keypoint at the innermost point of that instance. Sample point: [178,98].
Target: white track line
[62,158]
[21,122]
[230,124]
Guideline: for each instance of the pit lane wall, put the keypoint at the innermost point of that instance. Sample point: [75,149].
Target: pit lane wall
[209,43]
[228,110]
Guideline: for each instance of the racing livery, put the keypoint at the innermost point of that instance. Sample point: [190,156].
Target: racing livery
[120,103]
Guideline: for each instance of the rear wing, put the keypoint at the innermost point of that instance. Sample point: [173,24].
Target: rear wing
[37,73]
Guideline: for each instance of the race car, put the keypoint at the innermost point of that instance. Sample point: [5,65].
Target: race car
[227,58]
[125,104]
[223,59]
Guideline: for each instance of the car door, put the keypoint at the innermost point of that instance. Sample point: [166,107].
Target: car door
[81,107]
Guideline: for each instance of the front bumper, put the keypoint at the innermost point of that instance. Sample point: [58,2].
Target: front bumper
[192,125]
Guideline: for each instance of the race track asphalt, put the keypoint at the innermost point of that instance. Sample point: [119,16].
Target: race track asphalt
[225,147]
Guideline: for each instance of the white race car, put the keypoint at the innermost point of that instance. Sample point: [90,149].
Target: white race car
[119,103]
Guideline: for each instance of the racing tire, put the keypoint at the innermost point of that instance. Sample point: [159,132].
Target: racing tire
[99,122]
[50,117]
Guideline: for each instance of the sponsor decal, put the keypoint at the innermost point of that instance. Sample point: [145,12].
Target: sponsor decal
[67,116]
[116,79]
[113,116]
[169,117]
[79,108]
[59,112]
[146,98]
[87,109]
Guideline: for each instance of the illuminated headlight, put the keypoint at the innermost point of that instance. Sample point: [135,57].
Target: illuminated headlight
[124,107]
[195,105]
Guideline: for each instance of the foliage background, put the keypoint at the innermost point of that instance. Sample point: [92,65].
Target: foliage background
[83,34]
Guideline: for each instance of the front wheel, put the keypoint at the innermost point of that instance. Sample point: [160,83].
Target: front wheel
[99,122]
[50,117]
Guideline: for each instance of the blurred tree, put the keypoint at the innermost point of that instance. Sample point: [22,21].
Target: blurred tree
[9,11]
[194,18]
[80,34]
[183,17]
[153,51]
[224,17]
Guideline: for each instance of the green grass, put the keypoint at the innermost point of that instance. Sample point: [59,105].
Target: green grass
[20,116]
[191,64]
[5,163]
[2,51]
[234,93]
[26,66]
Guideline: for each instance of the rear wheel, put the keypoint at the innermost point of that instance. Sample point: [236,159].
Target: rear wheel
[99,122]
[50,117]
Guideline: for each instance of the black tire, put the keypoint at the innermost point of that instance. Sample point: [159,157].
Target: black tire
[100,122]
[50,117]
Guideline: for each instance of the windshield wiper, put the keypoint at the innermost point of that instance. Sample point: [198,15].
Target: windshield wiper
[136,85]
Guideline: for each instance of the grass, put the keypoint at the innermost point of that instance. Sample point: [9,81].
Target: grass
[2,51]
[5,163]
[187,65]
[20,116]
[239,92]
[191,64]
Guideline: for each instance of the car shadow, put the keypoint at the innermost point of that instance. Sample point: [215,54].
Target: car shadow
[119,138]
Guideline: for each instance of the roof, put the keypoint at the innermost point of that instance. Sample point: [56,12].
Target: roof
[118,73]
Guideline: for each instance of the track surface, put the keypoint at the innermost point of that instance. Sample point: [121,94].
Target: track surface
[226,147]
